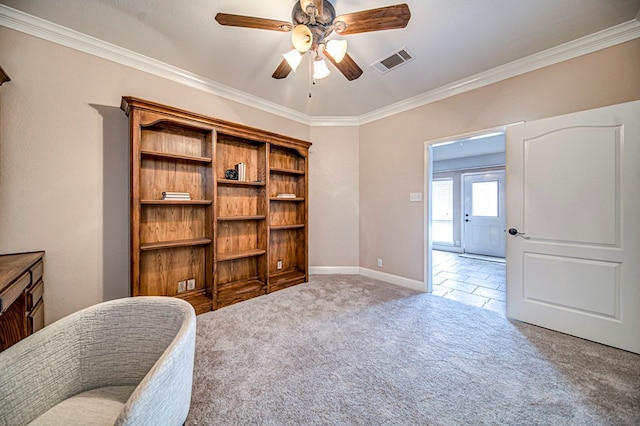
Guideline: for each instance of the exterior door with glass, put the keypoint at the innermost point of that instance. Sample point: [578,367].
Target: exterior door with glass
[484,213]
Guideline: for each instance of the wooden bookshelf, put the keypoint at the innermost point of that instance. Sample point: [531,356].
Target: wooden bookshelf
[236,238]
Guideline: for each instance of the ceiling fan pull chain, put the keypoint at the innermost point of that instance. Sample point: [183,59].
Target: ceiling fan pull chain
[311,81]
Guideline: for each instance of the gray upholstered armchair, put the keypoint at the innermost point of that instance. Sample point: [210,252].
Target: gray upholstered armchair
[125,362]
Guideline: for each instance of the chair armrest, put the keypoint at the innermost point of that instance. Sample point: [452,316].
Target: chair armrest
[39,372]
[164,395]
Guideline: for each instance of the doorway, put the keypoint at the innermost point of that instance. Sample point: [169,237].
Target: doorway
[465,215]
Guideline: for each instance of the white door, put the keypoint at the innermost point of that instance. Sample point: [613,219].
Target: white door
[484,213]
[573,209]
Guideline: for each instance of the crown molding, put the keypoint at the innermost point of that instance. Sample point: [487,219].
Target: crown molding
[334,121]
[37,27]
[606,38]
[46,30]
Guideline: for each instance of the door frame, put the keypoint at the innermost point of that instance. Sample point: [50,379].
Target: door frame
[428,179]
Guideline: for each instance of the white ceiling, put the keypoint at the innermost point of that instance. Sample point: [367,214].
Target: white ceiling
[450,39]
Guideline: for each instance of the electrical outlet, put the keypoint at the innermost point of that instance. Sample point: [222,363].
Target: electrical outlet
[191,284]
[379,263]
[182,286]
[279,265]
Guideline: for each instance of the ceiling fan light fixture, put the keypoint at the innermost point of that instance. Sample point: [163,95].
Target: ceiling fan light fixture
[337,49]
[301,38]
[320,69]
[293,58]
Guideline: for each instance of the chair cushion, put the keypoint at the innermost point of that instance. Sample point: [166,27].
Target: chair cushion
[95,407]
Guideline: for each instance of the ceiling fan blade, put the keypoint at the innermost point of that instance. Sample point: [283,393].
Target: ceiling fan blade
[384,18]
[283,70]
[346,66]
[251,22]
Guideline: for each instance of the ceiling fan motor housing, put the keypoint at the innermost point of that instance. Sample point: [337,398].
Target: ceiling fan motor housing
[320,25]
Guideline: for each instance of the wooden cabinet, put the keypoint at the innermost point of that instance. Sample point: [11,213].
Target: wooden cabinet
[21,296]
[235,237]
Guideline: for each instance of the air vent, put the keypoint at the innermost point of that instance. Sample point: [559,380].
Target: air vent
[387,64]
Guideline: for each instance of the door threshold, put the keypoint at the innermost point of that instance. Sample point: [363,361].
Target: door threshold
[483,257]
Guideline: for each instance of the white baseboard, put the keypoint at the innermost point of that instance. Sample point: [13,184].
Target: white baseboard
[394,279]
[370,273]
[326,270]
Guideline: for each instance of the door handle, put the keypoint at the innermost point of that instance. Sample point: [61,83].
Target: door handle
[514,231]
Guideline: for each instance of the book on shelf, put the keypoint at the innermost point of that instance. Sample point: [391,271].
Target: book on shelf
[241,168]
[286,196]
[167,195]
[173,197]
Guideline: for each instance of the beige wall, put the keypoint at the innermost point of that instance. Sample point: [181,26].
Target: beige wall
[392,149]
[333,197]
[64,162]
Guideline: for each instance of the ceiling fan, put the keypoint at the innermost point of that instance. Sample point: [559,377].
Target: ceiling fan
[312,22]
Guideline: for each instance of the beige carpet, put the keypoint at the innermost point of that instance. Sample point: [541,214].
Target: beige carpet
[350,350]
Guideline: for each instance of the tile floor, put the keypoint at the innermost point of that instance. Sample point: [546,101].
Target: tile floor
[474,282]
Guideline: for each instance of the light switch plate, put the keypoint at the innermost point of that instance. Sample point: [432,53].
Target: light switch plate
[415,196]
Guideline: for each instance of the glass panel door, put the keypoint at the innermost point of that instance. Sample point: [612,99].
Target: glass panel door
[484,218]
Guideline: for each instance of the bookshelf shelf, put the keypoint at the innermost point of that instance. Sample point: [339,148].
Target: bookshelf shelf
[222,257]
[199,299]
[239,182]
[287,171]
[286,279]
[157,154]
[175,243]
[176,202]
[229,218]
[284,227]
[296,199]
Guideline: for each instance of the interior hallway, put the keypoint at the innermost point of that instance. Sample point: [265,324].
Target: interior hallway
[473,282]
